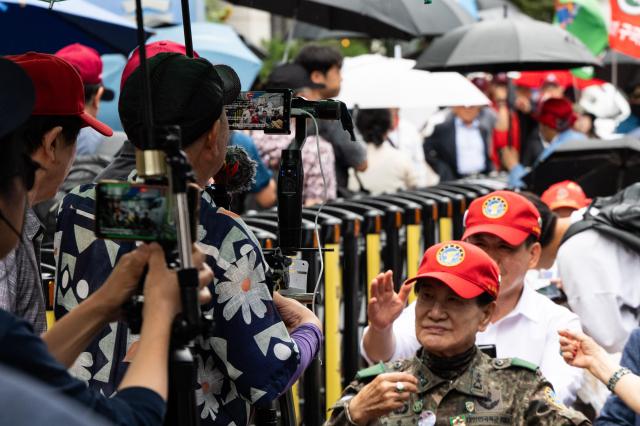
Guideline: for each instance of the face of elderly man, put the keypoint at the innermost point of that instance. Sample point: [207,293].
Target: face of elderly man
[446,324]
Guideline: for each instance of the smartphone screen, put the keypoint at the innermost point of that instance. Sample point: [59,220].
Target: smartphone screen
[134,211]
[268,111]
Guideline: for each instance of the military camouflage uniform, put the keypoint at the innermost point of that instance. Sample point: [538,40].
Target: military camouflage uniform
[491,391]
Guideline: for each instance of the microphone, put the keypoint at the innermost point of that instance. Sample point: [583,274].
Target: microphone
[236,176]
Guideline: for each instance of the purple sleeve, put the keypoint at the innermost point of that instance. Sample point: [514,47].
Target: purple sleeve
[308,338]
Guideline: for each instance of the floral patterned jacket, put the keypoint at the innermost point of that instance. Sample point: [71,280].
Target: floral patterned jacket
[251,356]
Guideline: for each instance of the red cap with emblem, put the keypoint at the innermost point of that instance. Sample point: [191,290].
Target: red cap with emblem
[505,214]
[463,267]
[565,194]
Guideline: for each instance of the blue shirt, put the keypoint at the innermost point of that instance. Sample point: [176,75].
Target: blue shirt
[629,124]
[88,141]
[616,412]
[470,150]
[250,358]
[22,350]
[519,171]
[263,174]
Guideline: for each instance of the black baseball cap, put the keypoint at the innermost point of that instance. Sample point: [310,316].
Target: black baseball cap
[188,92]
[291,76]
[17,96]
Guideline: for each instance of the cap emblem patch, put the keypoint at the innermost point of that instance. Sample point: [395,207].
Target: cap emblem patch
[563,194]
[495,207]
[450,255]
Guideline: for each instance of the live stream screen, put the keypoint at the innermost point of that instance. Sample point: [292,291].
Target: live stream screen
[135,212]
[259,111]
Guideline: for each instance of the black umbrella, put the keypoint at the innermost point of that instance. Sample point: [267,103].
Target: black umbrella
[307,31]
[499,9]
[601,167]
[403,19]
[628,68]
[505,45]
[492,4]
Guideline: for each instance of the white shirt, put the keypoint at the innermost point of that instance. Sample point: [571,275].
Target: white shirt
[470,153]
[407,139]
[529,332]
[601,278]
[388,170]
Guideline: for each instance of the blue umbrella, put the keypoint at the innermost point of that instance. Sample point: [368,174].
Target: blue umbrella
[218,43]
[29,25]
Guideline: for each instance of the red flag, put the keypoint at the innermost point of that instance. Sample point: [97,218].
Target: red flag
[624,35]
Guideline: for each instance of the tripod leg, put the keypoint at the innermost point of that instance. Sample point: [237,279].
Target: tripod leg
[181,406]
[287,410]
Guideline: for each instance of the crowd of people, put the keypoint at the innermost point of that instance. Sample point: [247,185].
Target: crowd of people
[481,344]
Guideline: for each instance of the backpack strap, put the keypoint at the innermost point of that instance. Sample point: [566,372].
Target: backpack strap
[576,228]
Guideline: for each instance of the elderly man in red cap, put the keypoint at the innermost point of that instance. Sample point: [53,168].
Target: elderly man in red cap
[50,142]
[555,122]
[449,381]
[524,325]
[88,63]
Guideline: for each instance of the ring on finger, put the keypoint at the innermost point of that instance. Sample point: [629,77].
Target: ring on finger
[399,387]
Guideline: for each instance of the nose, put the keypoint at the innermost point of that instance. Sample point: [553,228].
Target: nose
[436,312]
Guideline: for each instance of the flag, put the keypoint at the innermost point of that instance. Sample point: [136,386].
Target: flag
[585,20]
[625,27]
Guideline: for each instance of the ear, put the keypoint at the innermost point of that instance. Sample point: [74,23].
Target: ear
[535,251]
[49,144]
[95,102]
[317,77]
[212,136]
[487,313]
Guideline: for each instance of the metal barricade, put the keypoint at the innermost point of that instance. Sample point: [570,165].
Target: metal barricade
[430,216]
[413,244]
[352,241]
[459,206]
[393,222]
[445,212]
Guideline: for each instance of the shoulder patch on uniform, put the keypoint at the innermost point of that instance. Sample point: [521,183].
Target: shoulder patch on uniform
[371,372]
[524,364]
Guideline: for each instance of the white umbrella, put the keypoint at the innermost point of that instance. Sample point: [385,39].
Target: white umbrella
[375,81]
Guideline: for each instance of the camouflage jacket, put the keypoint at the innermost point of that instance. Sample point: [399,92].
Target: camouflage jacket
[505,391]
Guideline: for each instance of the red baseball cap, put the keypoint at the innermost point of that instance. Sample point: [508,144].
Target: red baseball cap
[88,63]
[556,113]
[463,267]
[58,86]
[152,49]
[505,214]
[565,194]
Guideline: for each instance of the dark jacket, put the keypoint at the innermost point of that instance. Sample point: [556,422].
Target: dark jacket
[440,150]
[616,412]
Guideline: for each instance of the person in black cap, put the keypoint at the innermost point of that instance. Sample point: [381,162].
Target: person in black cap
[323,65]
[143,391]
[294,76]
[251,358]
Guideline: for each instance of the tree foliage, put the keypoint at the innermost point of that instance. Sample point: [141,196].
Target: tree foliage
[537,9]
[276,47]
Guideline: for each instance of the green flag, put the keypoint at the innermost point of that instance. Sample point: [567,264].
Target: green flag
[585,20]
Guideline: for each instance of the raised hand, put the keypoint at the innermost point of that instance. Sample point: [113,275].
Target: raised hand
[385,305]
[580,350]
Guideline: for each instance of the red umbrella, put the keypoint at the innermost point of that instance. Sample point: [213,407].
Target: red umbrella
[564,78]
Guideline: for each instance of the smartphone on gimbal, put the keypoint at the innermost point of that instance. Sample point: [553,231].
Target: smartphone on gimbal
[267,110]
[134,212]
